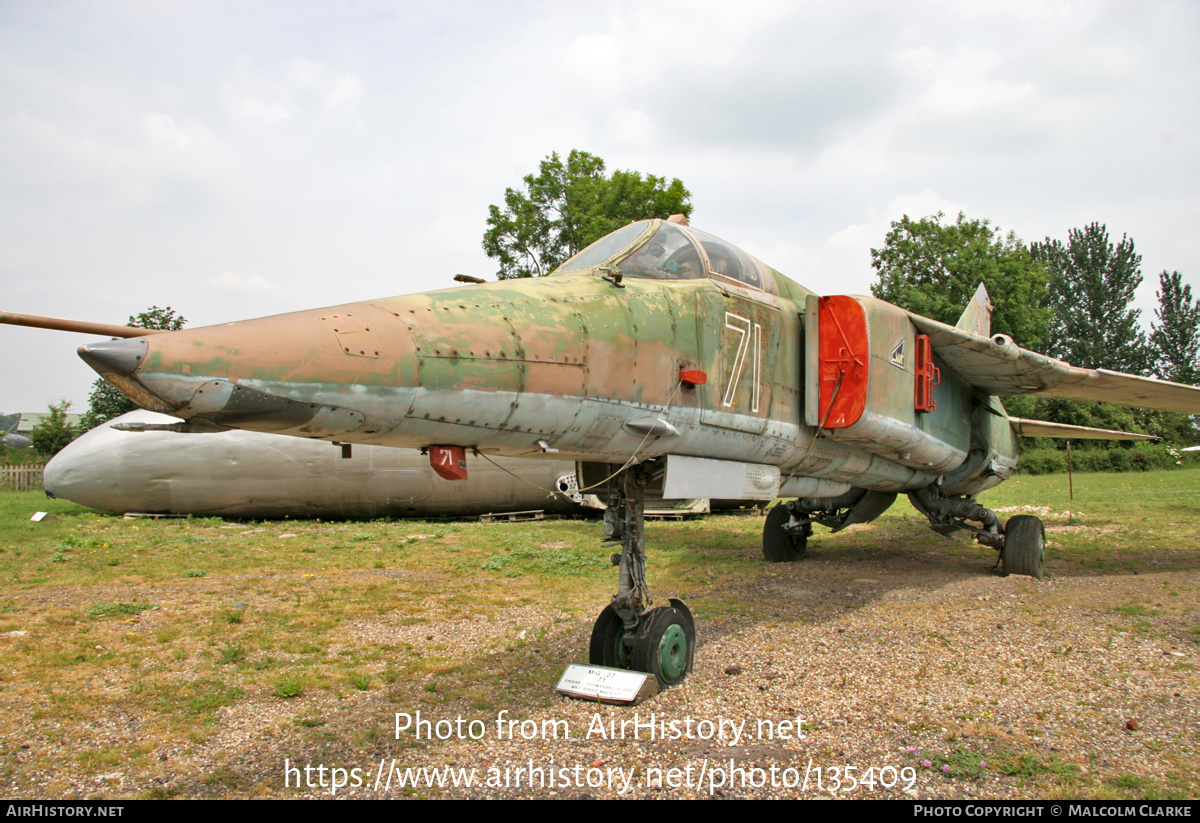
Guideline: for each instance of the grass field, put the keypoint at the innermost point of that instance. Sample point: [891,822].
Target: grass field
[130,646]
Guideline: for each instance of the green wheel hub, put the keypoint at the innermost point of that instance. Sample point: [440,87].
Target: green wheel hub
[662,646]
[672,654]
[620,652]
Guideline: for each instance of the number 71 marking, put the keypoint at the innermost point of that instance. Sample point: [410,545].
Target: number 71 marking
[742,326]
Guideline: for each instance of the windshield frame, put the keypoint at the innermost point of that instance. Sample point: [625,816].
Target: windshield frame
[652,226]
[695,238]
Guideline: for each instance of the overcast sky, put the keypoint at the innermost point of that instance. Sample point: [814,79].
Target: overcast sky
[233,160]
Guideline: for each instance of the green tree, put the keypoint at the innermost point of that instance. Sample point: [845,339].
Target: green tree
[1092,283]
[53,433]
[106,401]
[932,268]
[165,319]
[1175,338]
[568,206]
[1174,355]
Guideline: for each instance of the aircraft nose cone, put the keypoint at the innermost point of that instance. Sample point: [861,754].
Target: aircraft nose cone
[115,356]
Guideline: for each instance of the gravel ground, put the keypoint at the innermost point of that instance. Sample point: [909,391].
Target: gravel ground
[922,674]
[977,667]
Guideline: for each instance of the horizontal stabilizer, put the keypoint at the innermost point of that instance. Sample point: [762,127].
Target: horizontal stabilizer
[1000,367]
[1064,431]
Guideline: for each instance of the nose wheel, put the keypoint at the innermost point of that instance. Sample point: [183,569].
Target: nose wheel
[629,634]
[608,641]
[665,644]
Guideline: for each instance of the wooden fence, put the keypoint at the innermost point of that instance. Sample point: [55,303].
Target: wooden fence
[21,478]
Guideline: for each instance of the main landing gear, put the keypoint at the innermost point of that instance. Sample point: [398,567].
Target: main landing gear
[1021,542]
[1024,550]
[786,533]
[629,634]
[789,525]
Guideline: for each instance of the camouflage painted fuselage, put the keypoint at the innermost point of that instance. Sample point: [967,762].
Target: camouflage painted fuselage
[585,368]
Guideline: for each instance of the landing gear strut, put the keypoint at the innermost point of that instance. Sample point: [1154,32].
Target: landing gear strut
[629,634]
[1021,543]
[789,525]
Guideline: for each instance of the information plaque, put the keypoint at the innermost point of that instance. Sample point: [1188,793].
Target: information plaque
[607,685]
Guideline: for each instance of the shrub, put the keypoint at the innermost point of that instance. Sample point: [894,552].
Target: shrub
[1119,458]
[1042,461]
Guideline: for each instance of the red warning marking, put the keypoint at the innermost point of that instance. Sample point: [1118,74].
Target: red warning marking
[844,359]
[449,462]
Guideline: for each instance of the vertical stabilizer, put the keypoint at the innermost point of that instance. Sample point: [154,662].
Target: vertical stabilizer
[977,317]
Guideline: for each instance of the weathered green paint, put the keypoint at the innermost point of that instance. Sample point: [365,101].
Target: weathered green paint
[566,361]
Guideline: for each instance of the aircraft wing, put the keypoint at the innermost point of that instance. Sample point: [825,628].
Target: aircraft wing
[1065,431]
[999,366]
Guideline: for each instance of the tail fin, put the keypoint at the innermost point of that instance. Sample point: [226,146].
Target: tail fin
[977,316]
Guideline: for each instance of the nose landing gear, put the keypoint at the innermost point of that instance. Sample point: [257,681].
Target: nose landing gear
[629,634]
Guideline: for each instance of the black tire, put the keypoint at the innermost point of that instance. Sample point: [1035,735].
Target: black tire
[607,647]
[1024,546]
[663,647]
[778,545]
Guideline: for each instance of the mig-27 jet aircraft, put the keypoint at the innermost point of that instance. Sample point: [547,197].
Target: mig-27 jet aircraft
[663,360]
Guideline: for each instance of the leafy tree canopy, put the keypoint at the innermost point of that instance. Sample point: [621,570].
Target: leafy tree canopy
[568,206]
[53,433]
[1175,337]
[166,319]
[933,268]
[106,401]
[1092,282]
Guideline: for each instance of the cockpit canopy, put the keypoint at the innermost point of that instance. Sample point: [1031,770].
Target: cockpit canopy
[662,250]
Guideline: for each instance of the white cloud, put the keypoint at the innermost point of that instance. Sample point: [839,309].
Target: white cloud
[255,110]
[294,90]
[188,137]
[236,282]
[347,91]
[964,83]
[632,127]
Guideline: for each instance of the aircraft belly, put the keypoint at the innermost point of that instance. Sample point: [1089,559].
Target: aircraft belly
[812,487]
[599,432]
[594,430]
[992,470]
[900,442]
[830,460]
